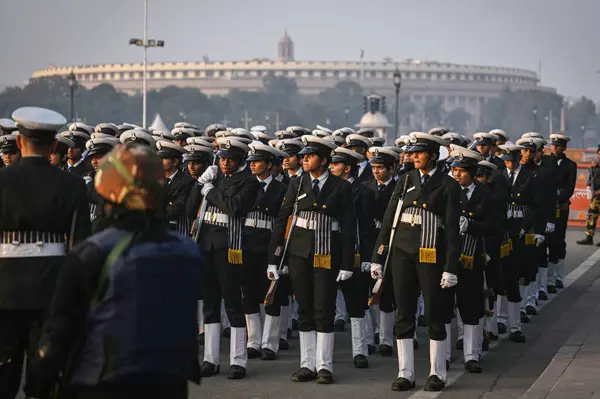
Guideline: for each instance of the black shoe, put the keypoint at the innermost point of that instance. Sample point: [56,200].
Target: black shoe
[459,345]
[370,349]
[588,240]
[376,339]
[421,321]
[324,377]
[294,325]
[473,366]
[303,375]
[236,372]
[502,328]
[402,384]
[201,339]
[530,310]
[386,350]
[492,336]
[339,325]
[227,332]
[559,284]
[361,362]
[524,318]
[253,353]
[283,345]
[267,354]
[485,345]
[289,333]
[552,289]
[542,296]
[434,384]
[517,336]
[208,369]
[447,365]
[415,343]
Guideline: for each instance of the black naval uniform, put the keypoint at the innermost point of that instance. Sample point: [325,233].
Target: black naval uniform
[178,191]
[366,174]
[44,209]
[81,168]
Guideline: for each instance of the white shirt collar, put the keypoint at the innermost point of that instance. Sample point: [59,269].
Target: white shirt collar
[321,179]
[279,177]
[268,181]
[76,164]
[471,188]
[516,171]
[298,172]
[431,172]
[350,179]
[387,183]
[172,176]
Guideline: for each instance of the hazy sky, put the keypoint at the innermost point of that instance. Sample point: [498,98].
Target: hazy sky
[513,33]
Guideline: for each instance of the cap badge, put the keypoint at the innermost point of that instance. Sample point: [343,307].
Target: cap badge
[460,157]
[304,140]
[282,146]
[413,139]
[5,139]
[253,150]
[92,145]
[133,136]
[376,152]
[228,144]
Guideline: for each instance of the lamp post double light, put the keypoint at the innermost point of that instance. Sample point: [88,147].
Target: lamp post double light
[73,84]
[145,43]
[397,85]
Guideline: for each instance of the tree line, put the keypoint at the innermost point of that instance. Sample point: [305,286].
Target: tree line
[280,101]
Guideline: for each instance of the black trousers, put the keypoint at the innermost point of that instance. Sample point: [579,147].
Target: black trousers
[356,293]
[469,293]
[408,275]
[256,284]
[222,280]
[19,334]
[315,290]
[147,390]
[493,269]
[541,253]
[557,245]
[521,265]
[387,302]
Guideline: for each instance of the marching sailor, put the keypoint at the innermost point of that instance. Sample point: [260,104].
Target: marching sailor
[10,151]
[293,163]
[79,133]
[97,149]
[425,251]
[318,253]
[344,163]
[58,154]
[486,145]
[256,236]
[360,144]
[230,191]
[178,185]
[137,137]
[41,210]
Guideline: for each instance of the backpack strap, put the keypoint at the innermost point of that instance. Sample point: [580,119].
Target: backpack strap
[120,247]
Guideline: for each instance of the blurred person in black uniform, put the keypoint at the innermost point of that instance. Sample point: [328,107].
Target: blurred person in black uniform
[181,134]
[318,254]
[501,139]
[138,137]
[198,159]
[263,343]
[344,163]
[107,128]
[122,322]
[565,176]
[424,255]
[10,151]
[97,149]
[230,191]
[75,162]
[58,153]
[485,145]
[41,210]
[292,164]
[383,185]
[178,186]
[360,144]
[7,126]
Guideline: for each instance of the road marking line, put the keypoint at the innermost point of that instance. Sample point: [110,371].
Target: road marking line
[455,373]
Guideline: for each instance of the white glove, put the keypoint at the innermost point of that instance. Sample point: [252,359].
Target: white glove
[590,195]
[365,267]
[539,239]
[550,227]
[376,271]
[343,275]
[521,233]
[272,272]
[285,270]
[449,280]
[206,188]
[463,224]
[209,175]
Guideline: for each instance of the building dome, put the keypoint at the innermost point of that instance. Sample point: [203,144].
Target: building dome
[374,120]
[285,49]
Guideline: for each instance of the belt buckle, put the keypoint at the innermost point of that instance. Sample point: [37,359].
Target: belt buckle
[214,217]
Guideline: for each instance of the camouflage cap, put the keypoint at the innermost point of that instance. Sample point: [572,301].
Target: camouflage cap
[132,176]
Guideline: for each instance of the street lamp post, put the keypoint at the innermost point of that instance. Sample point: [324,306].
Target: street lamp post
[267,117]
[145,43]
[397,85]
[72,80]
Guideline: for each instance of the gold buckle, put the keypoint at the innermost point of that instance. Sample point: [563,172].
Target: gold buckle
[214,217]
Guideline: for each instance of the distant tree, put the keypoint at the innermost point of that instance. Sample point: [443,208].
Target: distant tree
[434,112]
[457,120]
[580,113]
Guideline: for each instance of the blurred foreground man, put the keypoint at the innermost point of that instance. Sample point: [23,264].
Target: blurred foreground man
[41,210]
[122,323]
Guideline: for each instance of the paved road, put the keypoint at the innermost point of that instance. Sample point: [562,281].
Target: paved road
[509,368]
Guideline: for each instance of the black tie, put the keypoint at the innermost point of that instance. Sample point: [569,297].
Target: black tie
[315,187]
[425,178]
[511,178]
[293,176]
[381,188]
[465,198]
[261,193]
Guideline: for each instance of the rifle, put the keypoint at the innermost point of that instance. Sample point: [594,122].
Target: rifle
[288,233]
[378,288]
[200,215]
